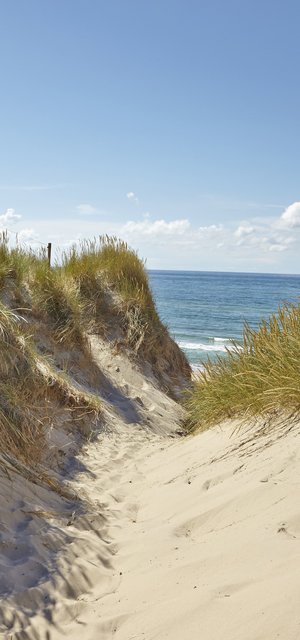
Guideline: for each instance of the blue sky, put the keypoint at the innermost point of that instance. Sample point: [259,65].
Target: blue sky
[172,123]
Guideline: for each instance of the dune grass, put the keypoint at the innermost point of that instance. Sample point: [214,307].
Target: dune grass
[30,399]
[19,430]
[58,298]
[16,262]
[95,264]
[108,264]
[46,314]
[34,396]
[260,379]
[98,285]
[73,294]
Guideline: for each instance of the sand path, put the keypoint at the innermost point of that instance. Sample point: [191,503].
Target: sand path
[182,538]
[202,539]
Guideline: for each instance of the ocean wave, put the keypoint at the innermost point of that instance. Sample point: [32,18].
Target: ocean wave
[215,339]
[200,346]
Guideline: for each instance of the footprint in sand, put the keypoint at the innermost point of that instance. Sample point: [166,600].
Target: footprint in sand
[282,529]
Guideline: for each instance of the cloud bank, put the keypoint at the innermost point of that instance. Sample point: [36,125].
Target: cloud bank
[156,228]
[9,217]
[251,244]
[290,219]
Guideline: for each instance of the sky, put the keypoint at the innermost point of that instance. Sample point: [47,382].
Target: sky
[173,124]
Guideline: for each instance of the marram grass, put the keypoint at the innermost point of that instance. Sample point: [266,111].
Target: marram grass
[46,316]
[95,263]
[260,379]
[16,262]
[58,298]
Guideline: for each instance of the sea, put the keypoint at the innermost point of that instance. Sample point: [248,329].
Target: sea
[205,311]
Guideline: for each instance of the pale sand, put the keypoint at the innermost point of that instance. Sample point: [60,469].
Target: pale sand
[183,538]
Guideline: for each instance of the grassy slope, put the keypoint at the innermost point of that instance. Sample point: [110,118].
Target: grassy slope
[45,316]
[261,379]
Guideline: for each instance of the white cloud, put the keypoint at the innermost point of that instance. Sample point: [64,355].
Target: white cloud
[9,217]
[277,247]
[86,209]
[263,237]
[290,219]
[289,240]
[158,227]
[169,243]
[211,229]
[27,235]
[131,196]
[244,231]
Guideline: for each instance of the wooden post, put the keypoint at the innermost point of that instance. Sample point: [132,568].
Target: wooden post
[49,245]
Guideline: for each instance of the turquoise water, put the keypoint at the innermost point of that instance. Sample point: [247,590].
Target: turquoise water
[204,310]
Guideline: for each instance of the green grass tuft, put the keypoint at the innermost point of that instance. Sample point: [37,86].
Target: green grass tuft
[59,298]
[261,378]
[109,261]
[16,262]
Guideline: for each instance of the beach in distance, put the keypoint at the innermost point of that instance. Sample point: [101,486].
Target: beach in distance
[204,311]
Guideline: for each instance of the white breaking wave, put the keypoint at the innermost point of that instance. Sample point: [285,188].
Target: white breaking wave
[199,346]
[219,339]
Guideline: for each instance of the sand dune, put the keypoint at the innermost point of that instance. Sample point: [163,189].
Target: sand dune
[180,538]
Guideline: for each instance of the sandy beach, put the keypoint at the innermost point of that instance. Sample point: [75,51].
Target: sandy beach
[179,537]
